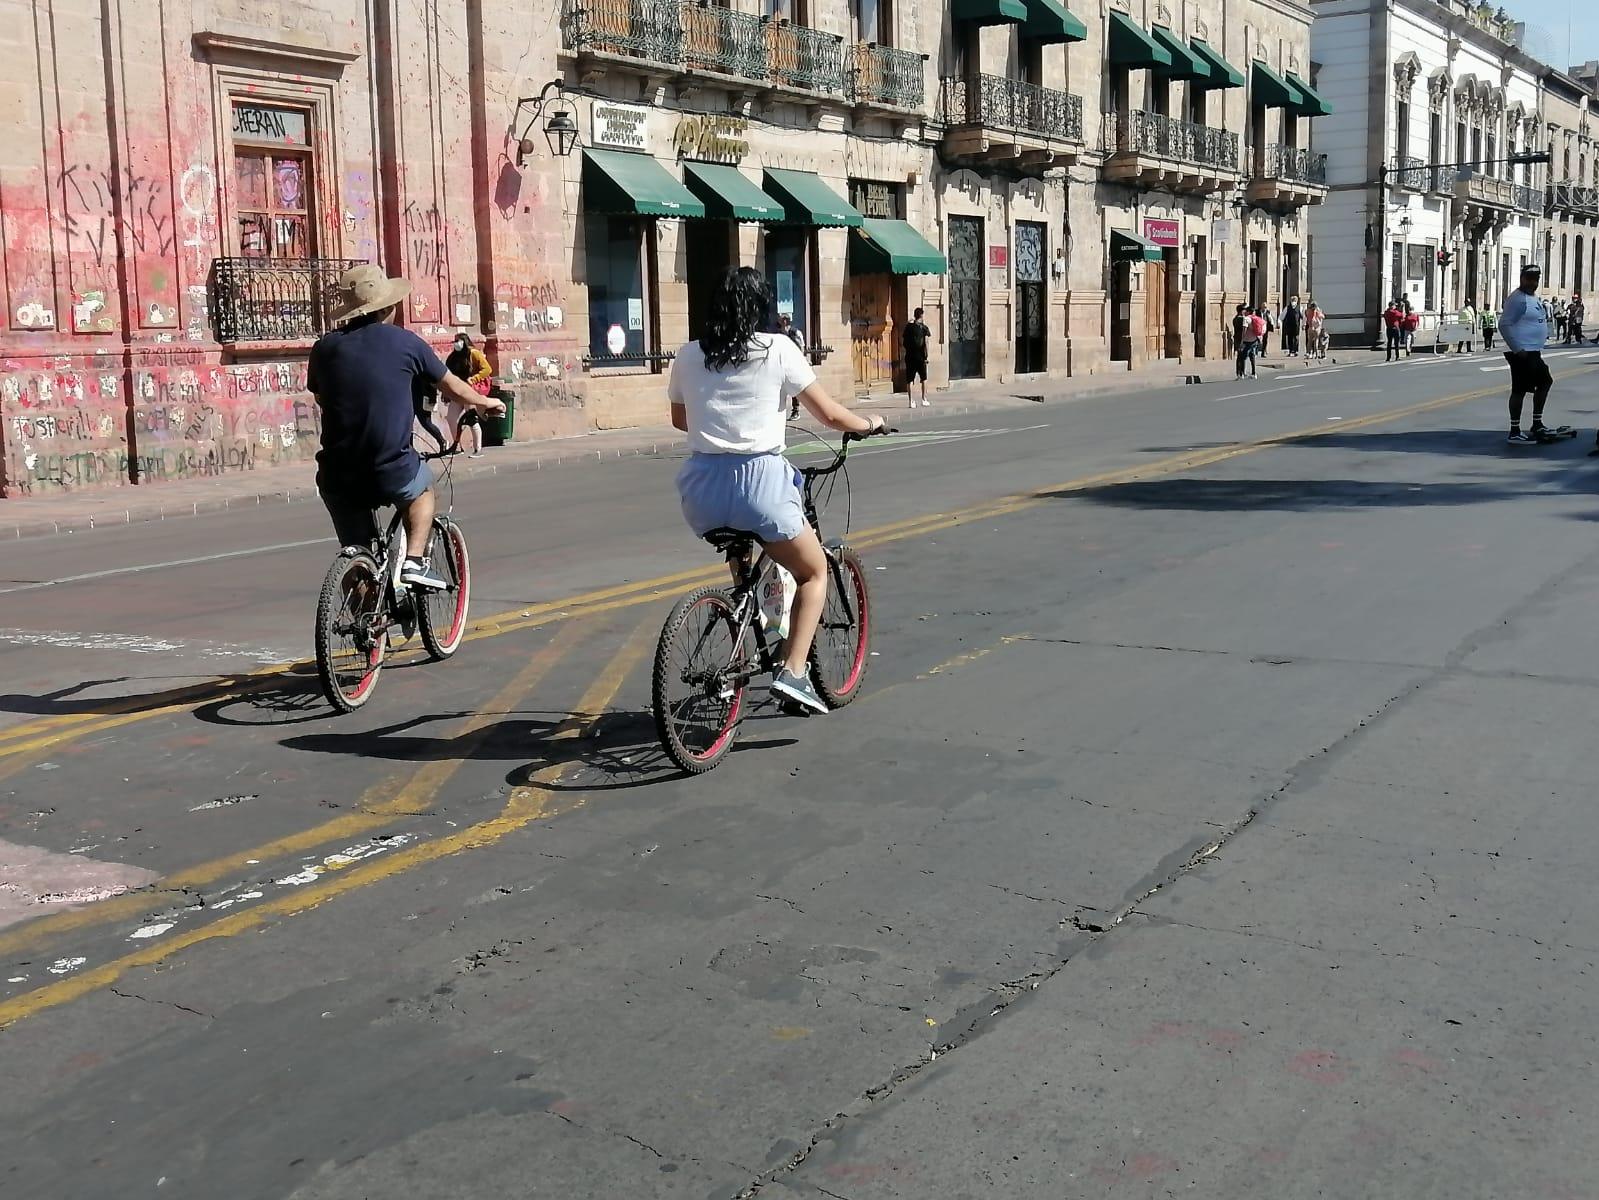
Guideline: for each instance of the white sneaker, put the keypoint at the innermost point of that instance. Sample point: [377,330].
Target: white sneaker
[927,403]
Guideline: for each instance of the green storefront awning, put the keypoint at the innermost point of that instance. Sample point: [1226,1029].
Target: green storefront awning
[1129,247]
[1315,104]
[1185,64]
[728,194]
[806,200]
[1130,46]
[881,247]
[989,12]
[1271,90]
[1050,23]
[617,182]
[1222,73]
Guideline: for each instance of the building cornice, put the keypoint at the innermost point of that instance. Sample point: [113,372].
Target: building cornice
[1466,30]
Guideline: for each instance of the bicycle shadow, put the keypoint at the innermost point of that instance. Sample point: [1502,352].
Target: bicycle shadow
[504,738]
[292,699]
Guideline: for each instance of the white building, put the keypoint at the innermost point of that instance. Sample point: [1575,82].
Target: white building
[1414,84]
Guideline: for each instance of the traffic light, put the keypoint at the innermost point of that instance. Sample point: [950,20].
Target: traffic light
[1445,258]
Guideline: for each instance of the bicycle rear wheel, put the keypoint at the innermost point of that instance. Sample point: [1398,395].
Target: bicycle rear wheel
[839,654]
[699,680]
[442,614]
[350,639]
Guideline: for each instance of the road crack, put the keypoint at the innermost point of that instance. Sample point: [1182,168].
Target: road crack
[161,1003]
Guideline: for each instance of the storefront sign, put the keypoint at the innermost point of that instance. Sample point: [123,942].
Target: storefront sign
[998,257]
[876,199]
[635,313]
[1162,231]
[712,138]
[259,123]
[621,126]
[615,340]
[1222,232]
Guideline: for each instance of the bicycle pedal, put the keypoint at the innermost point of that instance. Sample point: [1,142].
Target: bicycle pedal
[793,708]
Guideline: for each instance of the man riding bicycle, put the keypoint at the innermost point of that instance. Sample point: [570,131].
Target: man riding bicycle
[364,375]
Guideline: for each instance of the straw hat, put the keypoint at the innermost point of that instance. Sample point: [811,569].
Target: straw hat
[365,289]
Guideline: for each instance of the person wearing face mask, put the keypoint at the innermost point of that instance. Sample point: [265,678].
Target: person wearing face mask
[468,363]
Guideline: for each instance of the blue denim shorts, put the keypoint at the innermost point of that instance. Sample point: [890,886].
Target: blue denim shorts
[758,493]
[352,516]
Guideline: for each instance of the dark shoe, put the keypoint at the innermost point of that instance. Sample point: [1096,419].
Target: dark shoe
[420,574]
[788,686]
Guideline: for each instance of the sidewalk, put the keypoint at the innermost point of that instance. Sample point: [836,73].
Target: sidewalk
[72,512]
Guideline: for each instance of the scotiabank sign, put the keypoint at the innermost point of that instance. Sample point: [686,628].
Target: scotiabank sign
[1161,232]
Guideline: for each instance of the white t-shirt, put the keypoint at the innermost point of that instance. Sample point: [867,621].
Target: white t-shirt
[739,410]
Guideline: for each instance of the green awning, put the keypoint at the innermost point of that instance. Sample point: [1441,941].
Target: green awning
[807,200]
[989,12]
[1129,247]
[1185,64]
[1130,46]
[1222,73]
[1271,90]
[729,194]
[882,247]
[617,182]
[1049,22]
[1315,104]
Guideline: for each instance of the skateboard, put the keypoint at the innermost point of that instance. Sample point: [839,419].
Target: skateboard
[1554,434]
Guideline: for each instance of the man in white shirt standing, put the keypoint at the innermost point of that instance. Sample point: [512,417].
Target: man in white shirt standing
[1524,325]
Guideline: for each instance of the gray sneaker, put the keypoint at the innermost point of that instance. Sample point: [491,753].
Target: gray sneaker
[788,686]
[1518,438]
[420,574]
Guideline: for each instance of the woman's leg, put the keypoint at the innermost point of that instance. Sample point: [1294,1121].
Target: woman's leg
[804,559]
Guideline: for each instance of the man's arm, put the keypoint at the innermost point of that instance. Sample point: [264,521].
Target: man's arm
[457,389]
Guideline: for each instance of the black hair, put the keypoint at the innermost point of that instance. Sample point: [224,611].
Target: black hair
[739,310]
[464,337]
[918,313]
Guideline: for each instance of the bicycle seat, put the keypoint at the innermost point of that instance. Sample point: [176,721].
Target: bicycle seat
[725,537]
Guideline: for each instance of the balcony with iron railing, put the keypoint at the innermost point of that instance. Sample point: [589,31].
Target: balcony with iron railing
[274,299]
[886,76]
[1153,148]
[1574,199]
[1411,174]
[678,38]
[1528,199]
[997,118]
[1487,191]
[1287,177]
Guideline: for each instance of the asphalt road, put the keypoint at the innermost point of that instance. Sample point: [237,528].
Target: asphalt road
[1217,820]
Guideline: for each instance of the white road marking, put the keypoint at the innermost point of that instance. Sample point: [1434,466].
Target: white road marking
[150,931]
[161,566]
[135,643]
[1259,392]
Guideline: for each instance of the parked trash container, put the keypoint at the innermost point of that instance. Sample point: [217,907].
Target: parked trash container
[499,430]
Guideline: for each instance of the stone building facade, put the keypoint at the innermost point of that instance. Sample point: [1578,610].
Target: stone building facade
[1063,190]
[1429,86]
[1567,249]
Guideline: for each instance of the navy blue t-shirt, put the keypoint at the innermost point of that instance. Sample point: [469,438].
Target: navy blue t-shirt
[364,379]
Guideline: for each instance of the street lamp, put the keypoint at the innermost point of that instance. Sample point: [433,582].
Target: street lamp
[560,129]
[1377,238]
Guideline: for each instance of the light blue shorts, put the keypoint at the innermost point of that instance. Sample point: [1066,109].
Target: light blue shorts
[754,492]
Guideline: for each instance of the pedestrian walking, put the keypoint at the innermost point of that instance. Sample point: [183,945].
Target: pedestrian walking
[1245,339]
[1408,325]
[786,327]
[913,343]
[1575,313]
[1268,319]
[467,362]
[1392,318]
[1293,324]
[1467,318]
[1525,326]
[1489,324]
[1315,332]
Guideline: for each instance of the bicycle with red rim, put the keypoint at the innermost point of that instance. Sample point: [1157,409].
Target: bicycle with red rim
[364,601]
[714,645]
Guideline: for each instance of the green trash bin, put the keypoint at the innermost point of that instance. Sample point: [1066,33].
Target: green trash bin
[499,430]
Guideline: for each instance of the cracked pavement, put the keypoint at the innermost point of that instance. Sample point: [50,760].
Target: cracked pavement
[1228,834]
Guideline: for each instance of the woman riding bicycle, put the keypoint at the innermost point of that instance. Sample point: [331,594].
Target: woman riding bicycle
[729,392]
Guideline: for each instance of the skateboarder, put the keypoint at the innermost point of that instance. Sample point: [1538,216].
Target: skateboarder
[1524,325]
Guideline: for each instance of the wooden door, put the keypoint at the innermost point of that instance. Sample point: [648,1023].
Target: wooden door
[870,344]
[1154,310]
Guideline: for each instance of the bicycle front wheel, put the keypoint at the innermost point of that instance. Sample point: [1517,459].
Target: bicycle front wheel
[839,654]
[699,680]
[442,615]
[350,638]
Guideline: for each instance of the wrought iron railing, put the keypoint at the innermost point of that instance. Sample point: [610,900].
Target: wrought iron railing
[274,299]
[1411,174]
[722,40]
[806,58]
[996,102]
[1528,199]
[1573,198]
[645,29]
[1160,136]
[1295,164]
[887,76]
